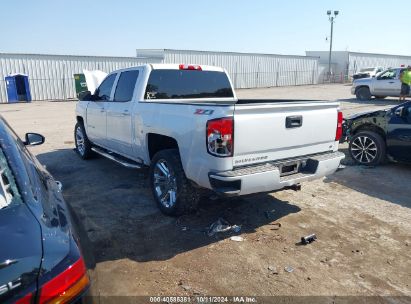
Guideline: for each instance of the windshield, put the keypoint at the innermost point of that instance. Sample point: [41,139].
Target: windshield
[184,84]
[8,189]
[37,180]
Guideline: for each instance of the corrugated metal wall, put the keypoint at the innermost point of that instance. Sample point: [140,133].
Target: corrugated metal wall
[358,61]
[247,70]
[51,76]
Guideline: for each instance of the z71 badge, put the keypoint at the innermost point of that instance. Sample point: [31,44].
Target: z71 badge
[203,112]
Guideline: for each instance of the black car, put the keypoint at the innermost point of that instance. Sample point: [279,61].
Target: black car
[40,256]
[375,135]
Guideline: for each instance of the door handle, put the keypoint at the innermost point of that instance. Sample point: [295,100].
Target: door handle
[125,113]
[391,82]
[293,121]
[102,111]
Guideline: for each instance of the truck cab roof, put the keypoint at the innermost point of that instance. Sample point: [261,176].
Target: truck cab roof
[173,66]
[184,66]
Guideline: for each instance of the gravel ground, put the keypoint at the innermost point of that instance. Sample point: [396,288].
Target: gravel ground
[362,218]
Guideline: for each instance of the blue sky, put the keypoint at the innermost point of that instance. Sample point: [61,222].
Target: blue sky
[282,27]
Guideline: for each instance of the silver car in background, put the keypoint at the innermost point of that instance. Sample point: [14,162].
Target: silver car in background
[384,84]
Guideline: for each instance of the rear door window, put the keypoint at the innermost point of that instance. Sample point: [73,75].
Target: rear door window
[125,86]
[104,90]
[184,84]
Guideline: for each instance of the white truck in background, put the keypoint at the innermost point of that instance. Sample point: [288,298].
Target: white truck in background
[385,84]
[186,124]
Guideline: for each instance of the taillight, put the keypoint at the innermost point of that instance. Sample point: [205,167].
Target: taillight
[339,131]
[67,285]
[190,67]
[27,299]
[220,136]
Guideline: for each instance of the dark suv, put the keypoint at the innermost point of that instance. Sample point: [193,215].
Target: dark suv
[375,135]
[40,257]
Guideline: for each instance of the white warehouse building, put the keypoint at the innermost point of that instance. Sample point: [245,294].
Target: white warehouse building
[346,63]
[247,70]
[52,77]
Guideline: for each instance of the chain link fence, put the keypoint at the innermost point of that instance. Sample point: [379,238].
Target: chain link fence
[260,79]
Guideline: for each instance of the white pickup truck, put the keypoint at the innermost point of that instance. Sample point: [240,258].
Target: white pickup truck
[186,124]
[385,84]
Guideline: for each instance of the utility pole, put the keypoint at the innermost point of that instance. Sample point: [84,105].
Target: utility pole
[332,20]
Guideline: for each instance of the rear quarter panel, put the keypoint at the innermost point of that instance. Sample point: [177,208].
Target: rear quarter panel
[181,122]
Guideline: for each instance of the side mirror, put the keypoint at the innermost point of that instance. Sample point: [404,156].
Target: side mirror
[400,112]
[85,95]
[34,139]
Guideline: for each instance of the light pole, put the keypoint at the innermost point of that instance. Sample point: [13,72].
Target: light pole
[332,20]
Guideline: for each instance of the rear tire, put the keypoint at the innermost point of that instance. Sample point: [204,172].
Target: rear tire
[363,94]
[171,189]
[367,148]
[83,145]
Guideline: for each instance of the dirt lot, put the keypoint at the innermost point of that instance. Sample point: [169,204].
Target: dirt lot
[362,218]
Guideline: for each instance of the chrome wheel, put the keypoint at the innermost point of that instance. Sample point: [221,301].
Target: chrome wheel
[364,149]
[165,184]
[81,148]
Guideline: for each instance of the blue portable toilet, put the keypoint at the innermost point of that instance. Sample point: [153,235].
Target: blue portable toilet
[18,88]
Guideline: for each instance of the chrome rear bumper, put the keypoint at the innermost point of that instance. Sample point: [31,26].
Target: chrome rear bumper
[276,175]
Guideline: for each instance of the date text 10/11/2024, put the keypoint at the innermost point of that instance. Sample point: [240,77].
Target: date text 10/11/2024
[202,299]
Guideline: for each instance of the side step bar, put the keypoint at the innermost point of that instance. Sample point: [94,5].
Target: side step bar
[117,158]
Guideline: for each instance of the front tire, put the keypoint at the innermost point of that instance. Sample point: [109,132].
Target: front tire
[363,94]
[83,145]
[171,189]
[367,148]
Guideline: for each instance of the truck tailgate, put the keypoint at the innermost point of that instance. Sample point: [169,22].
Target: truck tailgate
[274,130]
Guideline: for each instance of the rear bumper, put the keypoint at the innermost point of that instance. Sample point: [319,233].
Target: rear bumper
[267,177]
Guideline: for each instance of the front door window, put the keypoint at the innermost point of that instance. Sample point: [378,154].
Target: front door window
[389,74]
[104,90]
